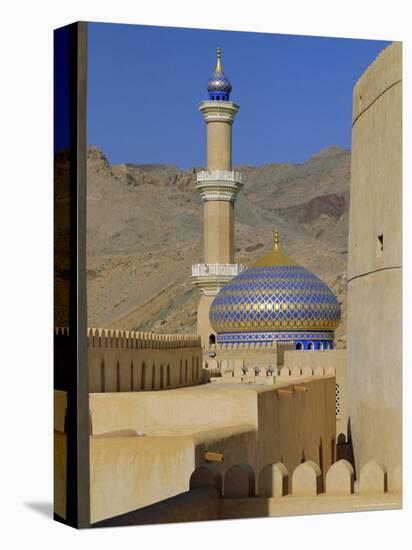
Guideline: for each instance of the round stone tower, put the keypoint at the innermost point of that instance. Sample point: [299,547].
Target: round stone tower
[218,186]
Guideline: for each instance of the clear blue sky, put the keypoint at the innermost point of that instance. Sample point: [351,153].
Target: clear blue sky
[145,84]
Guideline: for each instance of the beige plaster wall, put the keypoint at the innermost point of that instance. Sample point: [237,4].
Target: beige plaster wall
[329,361]
[248,425]
[131,472]
[219,146]
[375,275]
[218,232]
[179,426]
[299,506]
[298,427]
[146,445]
[173,411]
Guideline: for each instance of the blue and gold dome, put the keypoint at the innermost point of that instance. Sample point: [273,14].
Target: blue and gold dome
[276,300]
[219,86]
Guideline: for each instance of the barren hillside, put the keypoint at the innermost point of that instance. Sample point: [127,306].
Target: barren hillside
[145,232]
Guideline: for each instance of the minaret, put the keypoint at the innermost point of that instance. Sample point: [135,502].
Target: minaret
[218,186]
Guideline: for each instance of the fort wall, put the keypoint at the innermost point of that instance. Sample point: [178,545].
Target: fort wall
[125,361]
[375,265]
[146,445]
[278,493]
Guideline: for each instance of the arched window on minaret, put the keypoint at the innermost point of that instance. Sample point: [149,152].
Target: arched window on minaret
[212,339]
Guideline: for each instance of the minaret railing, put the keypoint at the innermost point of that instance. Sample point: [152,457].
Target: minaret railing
[219,175]
[204,270]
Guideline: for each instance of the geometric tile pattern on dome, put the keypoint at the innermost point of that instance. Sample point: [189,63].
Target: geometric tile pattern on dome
[274,298]
[218,82]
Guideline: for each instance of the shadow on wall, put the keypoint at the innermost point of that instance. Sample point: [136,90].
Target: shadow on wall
[209,490]
[198,504]
[344,447]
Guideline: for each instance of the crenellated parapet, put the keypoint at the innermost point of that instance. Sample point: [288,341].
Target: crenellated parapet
[274,481]
[225,356]
[117,338]
[121,360]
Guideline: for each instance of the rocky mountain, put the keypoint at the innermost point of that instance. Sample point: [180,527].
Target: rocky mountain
[145,232]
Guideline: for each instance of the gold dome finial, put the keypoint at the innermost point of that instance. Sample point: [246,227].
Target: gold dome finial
[276,238]
[275,256]
[218,64]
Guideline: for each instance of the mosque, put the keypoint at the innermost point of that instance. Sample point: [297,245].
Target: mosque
[181,429]
[276,300]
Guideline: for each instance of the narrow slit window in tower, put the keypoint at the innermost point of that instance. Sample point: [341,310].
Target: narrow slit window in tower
[379,250]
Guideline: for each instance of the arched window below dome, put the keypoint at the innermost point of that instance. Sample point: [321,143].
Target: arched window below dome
[320,345]
[311,345]
[212,339]
[328,345]
[299,345]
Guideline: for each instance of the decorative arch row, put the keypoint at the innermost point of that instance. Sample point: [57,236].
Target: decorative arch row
[313,345]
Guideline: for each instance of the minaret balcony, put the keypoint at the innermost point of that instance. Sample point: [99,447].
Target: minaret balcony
[219,185]
[218,111]
[211,277]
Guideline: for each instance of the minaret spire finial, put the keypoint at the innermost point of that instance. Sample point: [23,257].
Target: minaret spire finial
[218,63]
[276,238]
